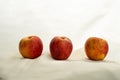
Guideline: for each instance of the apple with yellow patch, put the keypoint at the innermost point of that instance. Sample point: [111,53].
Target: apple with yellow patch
[96,48]
[30,47]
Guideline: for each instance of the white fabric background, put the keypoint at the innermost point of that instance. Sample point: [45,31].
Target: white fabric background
[76,19]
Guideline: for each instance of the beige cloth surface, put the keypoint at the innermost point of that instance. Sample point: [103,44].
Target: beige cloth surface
[43,68]
[76,19]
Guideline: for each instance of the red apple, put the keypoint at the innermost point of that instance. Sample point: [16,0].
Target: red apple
[30,47]
[60,47]
[96,48]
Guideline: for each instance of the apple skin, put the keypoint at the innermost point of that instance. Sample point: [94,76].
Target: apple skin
[31,47]
[96,48]
[60,47]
